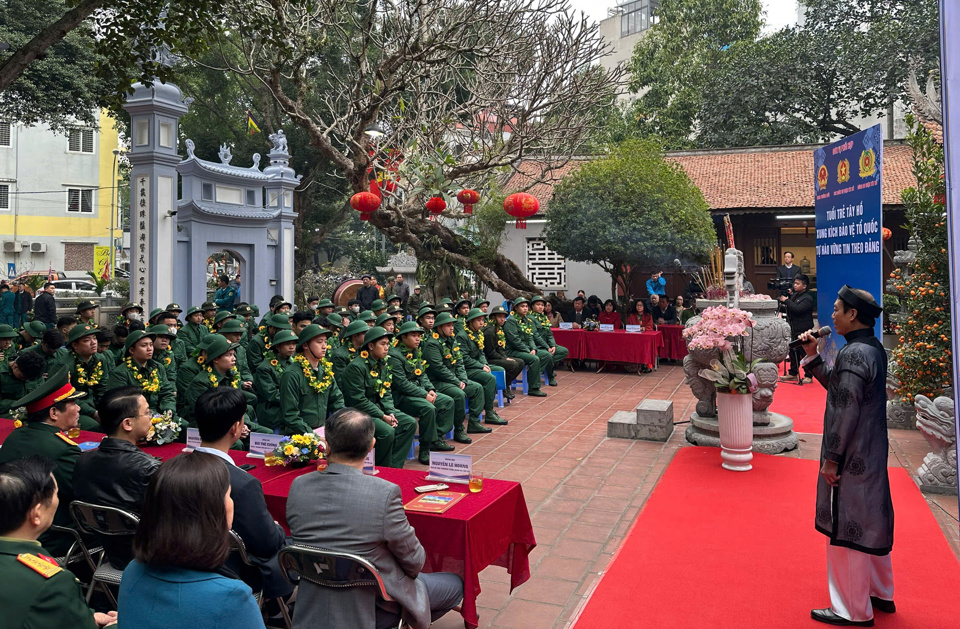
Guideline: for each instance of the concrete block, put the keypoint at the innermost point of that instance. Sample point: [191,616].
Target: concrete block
[654,420]
[623,425]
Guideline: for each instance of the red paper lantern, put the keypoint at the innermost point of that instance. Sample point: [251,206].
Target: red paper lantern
[469,198]
[436,205]
[366,203]
[521,205]
[887,234]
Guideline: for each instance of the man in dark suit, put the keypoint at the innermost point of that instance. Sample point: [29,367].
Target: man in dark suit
[219,416]
[799,306]
[579,314]
[367,293]
[45,306]
[363,515]
[662,310]
[788,270]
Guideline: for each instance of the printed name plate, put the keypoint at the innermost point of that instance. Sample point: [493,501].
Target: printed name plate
[450,468]
[566,325]
[193,439]
[606,327]
[262,444]
[634,328]
[370,465]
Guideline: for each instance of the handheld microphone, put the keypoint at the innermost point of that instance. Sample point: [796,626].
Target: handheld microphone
[822,333]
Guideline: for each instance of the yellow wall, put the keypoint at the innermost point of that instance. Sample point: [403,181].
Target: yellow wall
[109,140]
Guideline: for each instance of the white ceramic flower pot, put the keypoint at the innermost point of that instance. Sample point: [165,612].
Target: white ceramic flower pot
[735,417]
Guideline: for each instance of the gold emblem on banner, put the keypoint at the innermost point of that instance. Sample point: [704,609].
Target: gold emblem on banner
[843,171]
[868,164]
[822,176]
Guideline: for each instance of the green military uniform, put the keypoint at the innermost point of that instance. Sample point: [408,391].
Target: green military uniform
[266,381]
[152,378]
[209,378]
[224,298]
[12,388]
[192,333]
[414,302]
[333,341]
[34,330]
[33,599]
[168,357]
[545,341]
[260,343]
[233,326]
[459,325]
[345,354]
[446,371]
[7,332]
[474,361]
[52,358]
[89,377]
[46,440]
[367,385]
[188,369]
[519,333]
[411,386]
[494,348]
[307,400]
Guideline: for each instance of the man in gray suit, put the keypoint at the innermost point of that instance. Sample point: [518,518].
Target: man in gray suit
[345,510]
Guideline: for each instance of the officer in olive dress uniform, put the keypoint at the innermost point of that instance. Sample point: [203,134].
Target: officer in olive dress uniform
[87,373]
[854,508]
[52,410]
[367,386]
[415,395]
[495,345]
[471,343]
[36,591]
[519,332]
[308,391]
[266,382]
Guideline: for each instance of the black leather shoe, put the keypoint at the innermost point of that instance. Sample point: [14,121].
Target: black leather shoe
[883,605]
[536,393]
[827,616]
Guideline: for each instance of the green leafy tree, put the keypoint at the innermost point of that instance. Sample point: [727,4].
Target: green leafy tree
[673,62]
[922,360]
[628,211]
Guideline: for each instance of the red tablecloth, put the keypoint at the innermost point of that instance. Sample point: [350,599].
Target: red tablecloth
[618,346]
[572,340]
[488,528]
[674,346]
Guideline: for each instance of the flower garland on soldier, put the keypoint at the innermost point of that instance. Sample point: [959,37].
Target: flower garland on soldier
[382,383]
[266,339]
[476,337]
[151,383]
[326,369]
[232,377]
[209,324]
[168,357]
[274,362]
[88,378]
[416,362]
[524,324]
[453,351]
[501,337]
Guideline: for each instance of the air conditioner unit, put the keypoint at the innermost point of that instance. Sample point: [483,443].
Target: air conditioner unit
[12,246]
[38,247]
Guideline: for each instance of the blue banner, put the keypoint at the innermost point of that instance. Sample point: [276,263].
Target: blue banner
[11,270]
[847,182]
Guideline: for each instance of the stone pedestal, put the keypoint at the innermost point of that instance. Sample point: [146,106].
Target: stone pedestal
[652,420]
[774,437]
[934,420]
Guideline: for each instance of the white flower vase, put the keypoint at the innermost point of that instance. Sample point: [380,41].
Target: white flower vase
[735,417]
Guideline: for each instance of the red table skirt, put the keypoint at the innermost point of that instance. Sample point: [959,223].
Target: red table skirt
[674,346]
[488,528]
[618,346]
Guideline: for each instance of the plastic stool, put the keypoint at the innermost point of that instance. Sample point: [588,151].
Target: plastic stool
[523,375]
[501,377]
[413,448]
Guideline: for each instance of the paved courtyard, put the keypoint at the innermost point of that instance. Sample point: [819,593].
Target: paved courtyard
[584,490]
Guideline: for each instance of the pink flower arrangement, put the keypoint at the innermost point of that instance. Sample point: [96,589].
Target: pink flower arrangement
[716,326]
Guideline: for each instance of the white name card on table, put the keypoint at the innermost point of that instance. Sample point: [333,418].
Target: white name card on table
[634,328]
[450,468]
[370,465]
[262,444]
[193,439]
[566,325]
[606,327]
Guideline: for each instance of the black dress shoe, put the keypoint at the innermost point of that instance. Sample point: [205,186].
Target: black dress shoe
[883,605]
[827,616]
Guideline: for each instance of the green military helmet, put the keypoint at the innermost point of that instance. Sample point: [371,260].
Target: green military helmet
[153,313]
[475,313]
[256,310]
[481,302]
[537,298]
[135,336]
[86,304]
[447,307]
[219,346]
[355,327]
[243,310]
[366,315]
[279,321]
[35,329]
[378,304]
[325,303]
[208,305]
[461,302]
[223,314]
[522,300]
[56,388]
[383,318]
[444,301]
[284,336]
[79,331]
[408,327]
[335,319]
[203,343]
[161,330]
[281,304]
[393,298]
[498,310]
[193,310]
[443,318]
[425,311]
[374,334]
[131,306]
[7,331]
[174,308]
[312,331]
[396,310]
[232,326]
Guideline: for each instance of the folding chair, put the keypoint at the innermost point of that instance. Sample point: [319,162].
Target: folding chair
[237,546]
[103,521]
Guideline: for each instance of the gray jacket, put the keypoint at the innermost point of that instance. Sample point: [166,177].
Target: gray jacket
[345,510]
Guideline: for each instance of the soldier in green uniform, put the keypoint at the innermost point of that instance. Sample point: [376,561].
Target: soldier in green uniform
[349,348]
[460,311]
[308,391]
[209,310]
[233,331]
[7,335]
[518,331]
[482,305]
[176,343]
[334,323]
[244,315]
[378,307]
[18,377]
[261,342]
[388,322]
[266,382]
[367,387]
[163,351]
[87,313]
[325,308]
[52,411]
[130,312]
[194,330]
[87,373]
[447,373]
[50,347]
[30,335]
[495,346]
[471,342]
[219,370]
[415,395]
[545,340]
[189,368]
[415,301]
[220,318]
[139,369]
[367,317]
[36,591]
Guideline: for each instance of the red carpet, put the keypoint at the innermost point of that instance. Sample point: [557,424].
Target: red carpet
[713,548]
[803,404]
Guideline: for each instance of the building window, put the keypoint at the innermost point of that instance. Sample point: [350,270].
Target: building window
[80,141]
[4,133]
[80,200]
[166,135]
[545,268]
[4,196]
[638,16]
[251,197]
[765,251]
[206,192]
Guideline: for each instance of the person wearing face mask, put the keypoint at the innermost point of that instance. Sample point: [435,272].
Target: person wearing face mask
[130,312]
[354,306]
[312,304]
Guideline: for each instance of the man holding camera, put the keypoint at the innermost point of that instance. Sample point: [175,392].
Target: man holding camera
[799,306]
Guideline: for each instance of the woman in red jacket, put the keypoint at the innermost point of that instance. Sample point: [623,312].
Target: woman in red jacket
[640,316]
[610,315]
